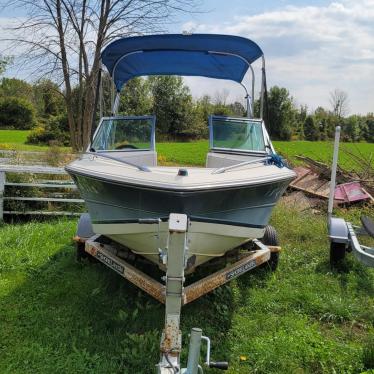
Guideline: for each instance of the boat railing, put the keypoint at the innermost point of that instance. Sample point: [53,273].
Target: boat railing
[99,154]
[226,168]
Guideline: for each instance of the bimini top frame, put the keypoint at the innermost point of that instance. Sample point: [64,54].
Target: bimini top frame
[207,55]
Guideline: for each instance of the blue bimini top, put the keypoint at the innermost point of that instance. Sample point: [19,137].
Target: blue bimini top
[206,55]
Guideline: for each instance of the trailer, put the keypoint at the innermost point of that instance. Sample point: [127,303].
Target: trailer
[343,235]
[171,291]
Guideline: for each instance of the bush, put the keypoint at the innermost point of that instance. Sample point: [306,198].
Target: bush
[311,131]
[55,130]
[16,113]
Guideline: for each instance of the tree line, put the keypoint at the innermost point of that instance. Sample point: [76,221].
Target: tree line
[62,40]
[41,107]
[287,121]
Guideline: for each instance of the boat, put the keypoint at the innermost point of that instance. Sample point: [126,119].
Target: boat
[228,202]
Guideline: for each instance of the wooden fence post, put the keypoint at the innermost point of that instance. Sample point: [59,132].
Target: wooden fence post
[2,187]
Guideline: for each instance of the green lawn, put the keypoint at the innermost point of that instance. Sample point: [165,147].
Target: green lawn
[16,139]
[322,151]
[60,316]
[13,136]
[191,153]
[194,153]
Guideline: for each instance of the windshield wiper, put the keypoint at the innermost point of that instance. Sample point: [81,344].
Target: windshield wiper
[95,153]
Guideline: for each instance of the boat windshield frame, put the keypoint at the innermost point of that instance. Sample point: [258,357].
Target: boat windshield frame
[152,147]
[267,144]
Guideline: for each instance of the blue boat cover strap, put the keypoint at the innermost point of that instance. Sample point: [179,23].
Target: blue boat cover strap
[207,55]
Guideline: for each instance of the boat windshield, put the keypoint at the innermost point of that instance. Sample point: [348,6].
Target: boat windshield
[241,134]
[125,133]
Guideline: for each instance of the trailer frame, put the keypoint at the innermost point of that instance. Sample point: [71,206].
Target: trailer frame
[172,291]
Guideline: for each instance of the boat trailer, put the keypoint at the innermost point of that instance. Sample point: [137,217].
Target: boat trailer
[172,291]
[343,235]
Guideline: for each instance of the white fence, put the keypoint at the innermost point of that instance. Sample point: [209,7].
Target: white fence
[44,184]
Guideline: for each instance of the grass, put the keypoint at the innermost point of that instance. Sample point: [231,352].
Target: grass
[61,316]
[16,140]
[323,150]
[191,153]
[14,136]
[194,153]
[57,315]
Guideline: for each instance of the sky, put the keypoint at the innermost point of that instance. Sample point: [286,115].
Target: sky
[310,47]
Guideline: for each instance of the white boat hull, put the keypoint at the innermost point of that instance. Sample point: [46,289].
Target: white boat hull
[205,240]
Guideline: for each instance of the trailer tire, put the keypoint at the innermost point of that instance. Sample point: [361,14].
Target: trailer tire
[337,253]
[271,238]
[81,253]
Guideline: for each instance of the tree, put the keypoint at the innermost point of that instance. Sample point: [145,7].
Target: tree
[173,106]
[221,110]
[16,113]
[63,39]
[326,122]
[55,130]
[220,97]
[363,128]
[339,102]
[136,98]
[301,116]
[281,121]
[4,62]
[204,107]
[16,88]
[351,129]
[311,130]
[370,128]
[237,109]
[48,98]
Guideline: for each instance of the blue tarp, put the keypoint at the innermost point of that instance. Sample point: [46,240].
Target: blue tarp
[176,54]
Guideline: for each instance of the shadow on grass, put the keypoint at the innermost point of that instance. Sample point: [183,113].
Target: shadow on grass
[344,270]
[78,317]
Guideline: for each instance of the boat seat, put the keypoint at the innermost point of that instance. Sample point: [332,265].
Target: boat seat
[223,159]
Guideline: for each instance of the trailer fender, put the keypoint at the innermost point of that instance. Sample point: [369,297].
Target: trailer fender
[338,230]
[84,227]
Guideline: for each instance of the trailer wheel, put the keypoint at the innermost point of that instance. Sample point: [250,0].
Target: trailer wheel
[81,253]
[271,238]
[337,253]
